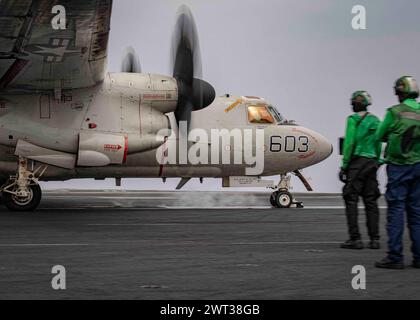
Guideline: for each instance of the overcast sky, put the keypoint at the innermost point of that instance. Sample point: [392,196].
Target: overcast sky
[302,55]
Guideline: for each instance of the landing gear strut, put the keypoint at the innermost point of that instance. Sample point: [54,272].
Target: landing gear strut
[282,198]
[22,191]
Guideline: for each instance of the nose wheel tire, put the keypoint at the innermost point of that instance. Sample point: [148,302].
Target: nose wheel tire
[281,199]
[26,199]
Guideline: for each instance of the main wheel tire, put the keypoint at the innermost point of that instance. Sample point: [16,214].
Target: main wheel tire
[14,203]
[284,199]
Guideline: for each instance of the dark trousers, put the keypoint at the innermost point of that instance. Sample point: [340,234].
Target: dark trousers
[403,196]
[362,182]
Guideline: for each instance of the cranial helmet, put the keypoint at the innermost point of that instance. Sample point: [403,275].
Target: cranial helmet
[407,87]
[361,98]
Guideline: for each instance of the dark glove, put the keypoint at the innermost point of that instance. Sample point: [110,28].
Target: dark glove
[343,175]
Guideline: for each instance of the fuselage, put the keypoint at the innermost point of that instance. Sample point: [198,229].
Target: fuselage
[125,127]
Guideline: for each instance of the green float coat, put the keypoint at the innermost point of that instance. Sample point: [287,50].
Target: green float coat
[398,120]
[360,140]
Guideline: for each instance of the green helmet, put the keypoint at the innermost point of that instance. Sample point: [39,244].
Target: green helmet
[407,87]
[361,97]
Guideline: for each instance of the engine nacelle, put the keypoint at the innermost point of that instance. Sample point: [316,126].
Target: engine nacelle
[127,116]
[161,92]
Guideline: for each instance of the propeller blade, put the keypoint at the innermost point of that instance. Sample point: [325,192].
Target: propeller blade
[130,62]
[183,114]
[186,54]
[194,93]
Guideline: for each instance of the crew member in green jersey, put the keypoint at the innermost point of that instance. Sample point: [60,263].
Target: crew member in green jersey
[401,131]
[361,153]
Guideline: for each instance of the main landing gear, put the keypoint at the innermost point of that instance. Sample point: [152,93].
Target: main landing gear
[22,191]
[282,198]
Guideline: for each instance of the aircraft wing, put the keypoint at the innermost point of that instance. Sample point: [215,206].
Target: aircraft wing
[35,56]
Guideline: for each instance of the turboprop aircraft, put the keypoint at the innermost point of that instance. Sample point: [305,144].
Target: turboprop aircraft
[63,117]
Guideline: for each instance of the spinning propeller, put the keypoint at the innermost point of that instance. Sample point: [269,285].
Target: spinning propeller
[193,92]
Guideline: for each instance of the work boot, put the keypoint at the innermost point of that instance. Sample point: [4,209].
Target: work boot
[374,245]
[353,244]
[389,264]
[416,264]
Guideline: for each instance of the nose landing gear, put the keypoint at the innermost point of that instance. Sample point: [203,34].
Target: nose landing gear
[22,192]
[282,198]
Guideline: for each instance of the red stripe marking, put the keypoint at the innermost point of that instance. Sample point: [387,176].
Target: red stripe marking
[164,155]
[125,148]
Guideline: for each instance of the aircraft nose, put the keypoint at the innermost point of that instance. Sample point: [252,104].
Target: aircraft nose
[325,147]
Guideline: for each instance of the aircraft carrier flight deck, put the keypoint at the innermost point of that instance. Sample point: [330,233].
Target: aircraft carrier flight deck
[189,245]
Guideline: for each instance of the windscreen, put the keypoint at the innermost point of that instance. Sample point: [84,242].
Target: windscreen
[263,114]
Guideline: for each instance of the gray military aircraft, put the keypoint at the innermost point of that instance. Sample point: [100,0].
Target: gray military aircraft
[63,117]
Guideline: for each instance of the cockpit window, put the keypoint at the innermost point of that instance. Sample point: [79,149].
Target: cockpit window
[279,118]
[263,114]
[260,114]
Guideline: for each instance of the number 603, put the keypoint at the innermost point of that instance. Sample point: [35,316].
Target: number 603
[289,144]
